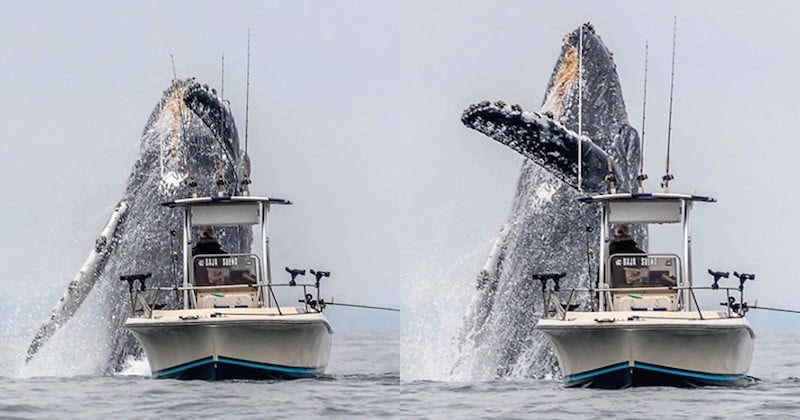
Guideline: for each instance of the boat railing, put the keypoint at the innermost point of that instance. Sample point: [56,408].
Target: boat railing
[311,301]
[225,281]
[555,306]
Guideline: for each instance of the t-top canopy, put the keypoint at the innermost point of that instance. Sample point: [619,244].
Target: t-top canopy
[645,196]
[645,207]
[184,202]
[222,211]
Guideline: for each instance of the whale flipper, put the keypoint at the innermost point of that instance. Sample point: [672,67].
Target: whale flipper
[84,281]
[542,140]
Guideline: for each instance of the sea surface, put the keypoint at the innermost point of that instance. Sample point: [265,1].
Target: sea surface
[364,381]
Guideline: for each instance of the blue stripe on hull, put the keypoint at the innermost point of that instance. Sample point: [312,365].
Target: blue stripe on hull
[227,368]
[623,375]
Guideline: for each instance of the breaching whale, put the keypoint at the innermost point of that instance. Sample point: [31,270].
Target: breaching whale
[547,230]
[189,142]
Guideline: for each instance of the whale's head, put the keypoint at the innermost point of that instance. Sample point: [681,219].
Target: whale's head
[603,113]
[549,137]
[189,145]
[190,140]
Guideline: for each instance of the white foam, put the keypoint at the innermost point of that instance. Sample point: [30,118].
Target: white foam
[135,367]
[436,303]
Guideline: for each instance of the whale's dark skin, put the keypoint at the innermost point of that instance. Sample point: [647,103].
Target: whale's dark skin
[547,230]
[190,135]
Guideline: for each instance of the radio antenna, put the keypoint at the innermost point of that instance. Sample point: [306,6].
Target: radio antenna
[642,176]
[247,95]
[667,176]
[580,110]
[222,78]
[174,74]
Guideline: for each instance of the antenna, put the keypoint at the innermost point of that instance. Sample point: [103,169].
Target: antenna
[222,79]
[642,176]
[247,95]
[667,176]
[174,74]
[580,110]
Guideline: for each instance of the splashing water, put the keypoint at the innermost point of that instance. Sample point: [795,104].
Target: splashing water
[433,314]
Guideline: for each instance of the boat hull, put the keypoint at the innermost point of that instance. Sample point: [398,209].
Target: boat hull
[223,368]
[211,345]
[627,349]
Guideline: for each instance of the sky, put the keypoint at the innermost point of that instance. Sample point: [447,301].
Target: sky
[355,116]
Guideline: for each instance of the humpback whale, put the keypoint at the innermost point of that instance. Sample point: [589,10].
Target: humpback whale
[547,230]
[189,143]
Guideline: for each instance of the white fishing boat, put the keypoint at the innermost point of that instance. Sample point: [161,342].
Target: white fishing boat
[229,324]
[644,326]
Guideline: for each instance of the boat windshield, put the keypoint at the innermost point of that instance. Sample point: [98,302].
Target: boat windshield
[644,270]
[225,269]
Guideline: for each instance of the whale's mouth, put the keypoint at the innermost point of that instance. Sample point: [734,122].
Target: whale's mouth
[189,106]
[215,114]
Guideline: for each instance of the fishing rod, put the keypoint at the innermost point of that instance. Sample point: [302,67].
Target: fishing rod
[245,185]
[642,176]
[667,176]
[580,110]
[353,305]
[247,95]
[293,272]
[766,308]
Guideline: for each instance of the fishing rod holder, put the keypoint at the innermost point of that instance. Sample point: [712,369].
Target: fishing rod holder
[640,181]
[611,180]
[544,277]
[717,276]
[192,185]
[138,301]
[743,277]
[294,272]
[665,181]
[319,275]
[221,187]
[547,294]
[730,303]
[246,185]
[131,278]
[317,304]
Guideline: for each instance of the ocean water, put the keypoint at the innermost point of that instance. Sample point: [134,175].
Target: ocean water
[364,381]
[776,394]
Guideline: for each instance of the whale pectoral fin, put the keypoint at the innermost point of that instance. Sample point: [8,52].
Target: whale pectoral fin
[84,281]
[542,140]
